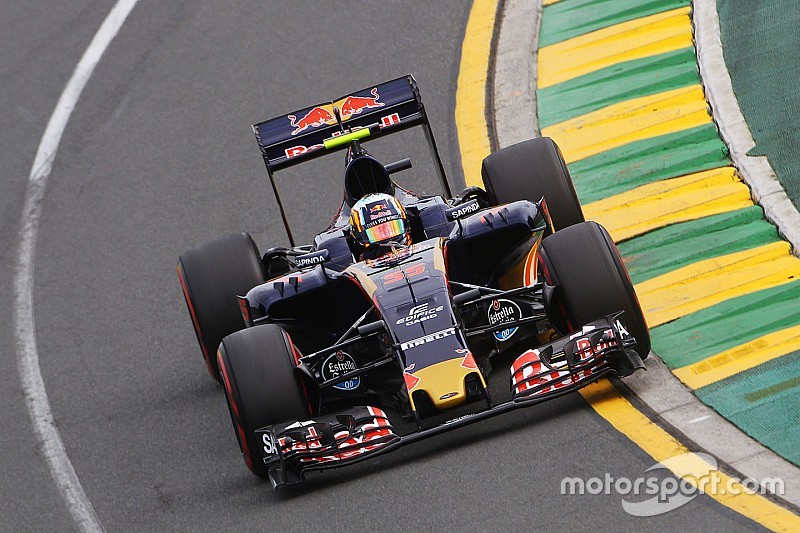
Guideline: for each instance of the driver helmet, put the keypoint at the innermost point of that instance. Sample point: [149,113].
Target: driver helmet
[379,218]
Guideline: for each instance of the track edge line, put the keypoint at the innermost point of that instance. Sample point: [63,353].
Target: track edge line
[33,387]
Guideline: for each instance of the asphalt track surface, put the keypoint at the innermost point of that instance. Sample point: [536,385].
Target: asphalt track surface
[159,156]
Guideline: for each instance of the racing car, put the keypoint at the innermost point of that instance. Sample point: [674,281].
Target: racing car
[409,315]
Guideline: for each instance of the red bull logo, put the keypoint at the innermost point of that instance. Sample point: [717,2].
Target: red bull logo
[294,151]
[379,214]
[354,105]
[377,207]
[314,118]
[348,107]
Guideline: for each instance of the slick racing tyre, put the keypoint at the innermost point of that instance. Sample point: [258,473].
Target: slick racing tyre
[529,171]
[211,276]
[257,367]
[591,280]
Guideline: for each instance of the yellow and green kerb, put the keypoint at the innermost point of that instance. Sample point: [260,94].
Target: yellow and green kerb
[618,90]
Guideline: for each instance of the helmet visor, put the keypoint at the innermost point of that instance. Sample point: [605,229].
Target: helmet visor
[385,231]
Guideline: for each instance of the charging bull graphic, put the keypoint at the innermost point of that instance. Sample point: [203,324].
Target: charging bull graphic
[348,107]
[314,118]
[354,105]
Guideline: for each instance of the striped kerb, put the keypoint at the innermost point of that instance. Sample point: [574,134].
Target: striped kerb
[619,91]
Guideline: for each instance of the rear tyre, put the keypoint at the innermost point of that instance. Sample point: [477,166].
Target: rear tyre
[584,263]
[529,171]
[257,367]
[211,276]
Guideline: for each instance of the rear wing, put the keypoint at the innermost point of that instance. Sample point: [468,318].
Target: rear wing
[364,115]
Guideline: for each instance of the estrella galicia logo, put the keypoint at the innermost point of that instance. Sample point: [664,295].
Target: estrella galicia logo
[502,311]
[338,364]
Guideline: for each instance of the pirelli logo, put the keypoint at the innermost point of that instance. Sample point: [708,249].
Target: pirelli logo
[428,338]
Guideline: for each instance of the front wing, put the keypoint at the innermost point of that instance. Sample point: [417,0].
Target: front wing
[601,348]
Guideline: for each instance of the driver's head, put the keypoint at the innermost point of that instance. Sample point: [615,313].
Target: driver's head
[379,218]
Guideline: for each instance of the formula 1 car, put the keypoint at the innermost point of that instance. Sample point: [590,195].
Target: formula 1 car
[329,357]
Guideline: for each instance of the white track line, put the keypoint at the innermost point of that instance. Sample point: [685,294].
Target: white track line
[38,404]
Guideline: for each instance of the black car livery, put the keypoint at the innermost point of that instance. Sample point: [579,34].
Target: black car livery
[330,353]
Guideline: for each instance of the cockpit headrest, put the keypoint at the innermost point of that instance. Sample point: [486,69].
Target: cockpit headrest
[365,175]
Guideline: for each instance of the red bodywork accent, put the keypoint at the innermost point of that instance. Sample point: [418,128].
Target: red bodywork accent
[347,446]
[245,310]
[469,361]
[411,381]
[528,372]
[446,268]
[547,215]
[296,354]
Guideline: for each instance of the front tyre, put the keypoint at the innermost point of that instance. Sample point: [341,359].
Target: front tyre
[529,171]
[261,386]
[592,281]
[211,276]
